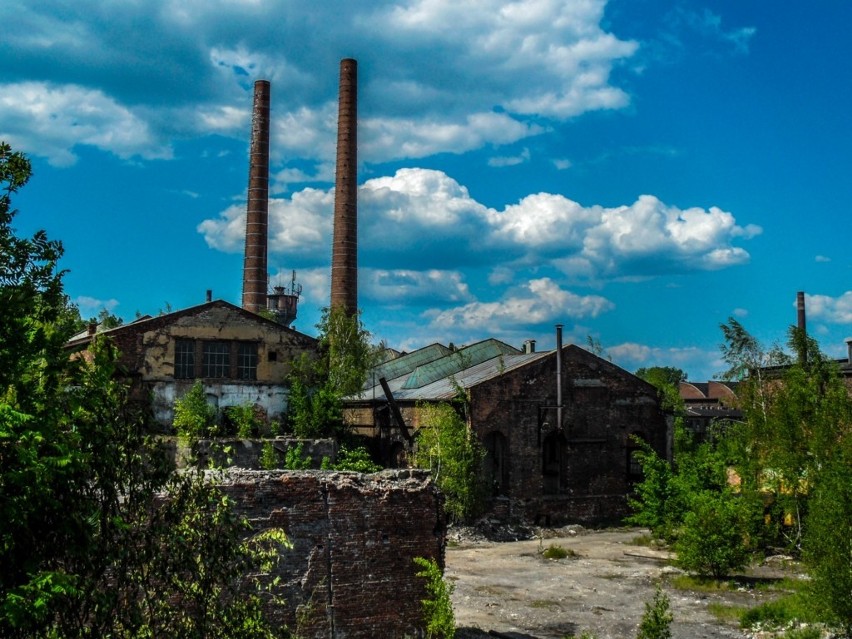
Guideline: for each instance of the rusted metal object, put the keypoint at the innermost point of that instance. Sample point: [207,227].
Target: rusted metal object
[397,415]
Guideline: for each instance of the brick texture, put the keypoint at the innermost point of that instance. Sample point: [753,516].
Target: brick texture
[351,571]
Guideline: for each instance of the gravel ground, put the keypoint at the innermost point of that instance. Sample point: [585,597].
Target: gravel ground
[506,589]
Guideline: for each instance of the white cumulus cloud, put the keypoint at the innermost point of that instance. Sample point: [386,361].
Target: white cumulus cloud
[836,310]
[538,302]
[61,117]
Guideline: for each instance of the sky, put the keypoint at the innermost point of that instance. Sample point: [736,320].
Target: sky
[636,170]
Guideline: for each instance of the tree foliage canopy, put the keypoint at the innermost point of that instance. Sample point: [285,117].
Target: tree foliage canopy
[99,536]
[790,455]
[319,383]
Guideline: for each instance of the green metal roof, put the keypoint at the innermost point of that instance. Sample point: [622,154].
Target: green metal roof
[457,361]
[405,364]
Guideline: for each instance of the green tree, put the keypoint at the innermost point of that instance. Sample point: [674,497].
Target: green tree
[454,454]
[714,540]
[194,418]
[87,547]
[319,383]
[795,445]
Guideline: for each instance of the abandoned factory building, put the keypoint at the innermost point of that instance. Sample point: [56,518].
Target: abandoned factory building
[542,463]
[239,356]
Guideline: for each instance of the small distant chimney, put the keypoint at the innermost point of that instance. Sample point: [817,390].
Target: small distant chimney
[209,296]
[91,329]
[849,351]
[344,250]
[801,323]
[255,278]
[529,346]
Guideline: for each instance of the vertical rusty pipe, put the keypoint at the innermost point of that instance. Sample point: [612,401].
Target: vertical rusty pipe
[559,376]
[255,277]
[344,251]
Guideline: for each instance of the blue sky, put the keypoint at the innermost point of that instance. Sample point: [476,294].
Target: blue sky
[637,170]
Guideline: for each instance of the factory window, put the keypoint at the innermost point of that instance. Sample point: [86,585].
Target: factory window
[247,360]
[184,359]
[216,359]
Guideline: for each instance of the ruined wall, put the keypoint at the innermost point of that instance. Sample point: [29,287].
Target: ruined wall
[579,472]
[351,571]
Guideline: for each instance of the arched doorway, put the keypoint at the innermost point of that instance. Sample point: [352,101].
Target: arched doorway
[554,455]
[496,471]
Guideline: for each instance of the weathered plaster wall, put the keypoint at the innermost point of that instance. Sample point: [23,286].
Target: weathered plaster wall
[351,571]
[271,398]
[148,358]
[222,323]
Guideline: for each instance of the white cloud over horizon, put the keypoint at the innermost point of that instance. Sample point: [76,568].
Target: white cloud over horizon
[835,310]
[93,78]
[435,223]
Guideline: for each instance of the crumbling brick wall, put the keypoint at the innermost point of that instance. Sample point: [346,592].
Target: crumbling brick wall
[351,571]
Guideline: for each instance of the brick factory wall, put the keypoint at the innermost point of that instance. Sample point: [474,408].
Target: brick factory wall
[351,572]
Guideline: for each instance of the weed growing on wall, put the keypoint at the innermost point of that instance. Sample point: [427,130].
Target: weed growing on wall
[437,607]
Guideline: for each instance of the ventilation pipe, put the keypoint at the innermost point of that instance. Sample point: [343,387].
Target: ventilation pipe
[344,250]
[559,376]
[209,296]
[255,278]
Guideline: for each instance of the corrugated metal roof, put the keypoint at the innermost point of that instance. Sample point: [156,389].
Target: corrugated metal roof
[405,364]
[460,360]
[447,387]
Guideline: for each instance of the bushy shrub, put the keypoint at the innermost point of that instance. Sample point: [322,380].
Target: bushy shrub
[244,420]
[657,619]
[296,459]
[713,540]
[356,459]
[194,417]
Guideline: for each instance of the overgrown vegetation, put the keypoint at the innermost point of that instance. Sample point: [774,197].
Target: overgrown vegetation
[657,619]
[87,548]
[778,478]
[555,551]
[437,607]
[194,418]
[454,454]
[355,459]
[318,383]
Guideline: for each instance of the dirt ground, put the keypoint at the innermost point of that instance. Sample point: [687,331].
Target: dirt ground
[506,589]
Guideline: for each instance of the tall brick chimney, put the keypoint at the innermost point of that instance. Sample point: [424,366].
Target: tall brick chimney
[344,249]
[255,277]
